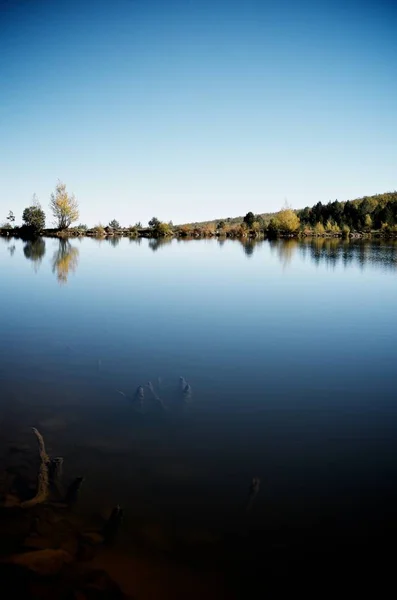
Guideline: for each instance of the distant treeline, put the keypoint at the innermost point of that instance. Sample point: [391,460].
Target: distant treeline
[360,216]
[364,216]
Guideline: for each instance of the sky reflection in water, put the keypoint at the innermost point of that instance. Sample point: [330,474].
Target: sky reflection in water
[288,346]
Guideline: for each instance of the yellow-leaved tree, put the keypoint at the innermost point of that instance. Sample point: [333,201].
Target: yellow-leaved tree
[319,228]
[284,222]
[64,206]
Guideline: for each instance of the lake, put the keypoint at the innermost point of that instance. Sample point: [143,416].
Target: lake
[289,349]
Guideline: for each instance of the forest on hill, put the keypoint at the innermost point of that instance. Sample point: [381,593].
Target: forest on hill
[366,214]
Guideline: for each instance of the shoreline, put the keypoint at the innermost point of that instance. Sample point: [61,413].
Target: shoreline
[149,234]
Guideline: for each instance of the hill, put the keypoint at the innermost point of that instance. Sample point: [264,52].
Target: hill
[373,212]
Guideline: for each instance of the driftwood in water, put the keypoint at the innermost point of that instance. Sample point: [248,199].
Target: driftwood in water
[187,392]
[254,489]
[139,396]
[156,398]
[182,384]
[112,525]
[55,473]
[43,477]
[73,491]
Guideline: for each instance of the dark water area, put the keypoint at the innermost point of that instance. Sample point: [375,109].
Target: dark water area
[289,349]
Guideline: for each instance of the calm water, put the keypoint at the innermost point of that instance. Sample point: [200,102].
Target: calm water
[290,351]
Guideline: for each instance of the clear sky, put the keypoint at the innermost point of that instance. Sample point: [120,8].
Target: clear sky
[196,109]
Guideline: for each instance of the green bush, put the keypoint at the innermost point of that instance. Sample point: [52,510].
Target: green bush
[34,218]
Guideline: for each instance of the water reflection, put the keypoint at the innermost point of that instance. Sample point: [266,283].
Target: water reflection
[248,246]
[334,251]
[285,250]
[331,252]
[65,260]
[34,250]
[325,250]
[137,240]
[113,240]
[98,240]
[156,243]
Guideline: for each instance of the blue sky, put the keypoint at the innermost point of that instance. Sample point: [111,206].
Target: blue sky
[190,109]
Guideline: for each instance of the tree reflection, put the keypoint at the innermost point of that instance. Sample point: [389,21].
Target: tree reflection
[248,246]
[156,243]
[114,240]
[361,252]
[286,250]
[65,260]
[136,240]
[34,250]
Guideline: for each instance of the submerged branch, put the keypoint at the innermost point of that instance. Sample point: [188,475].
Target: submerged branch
[43,477]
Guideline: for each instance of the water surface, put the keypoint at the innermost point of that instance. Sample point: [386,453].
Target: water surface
[290,351]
